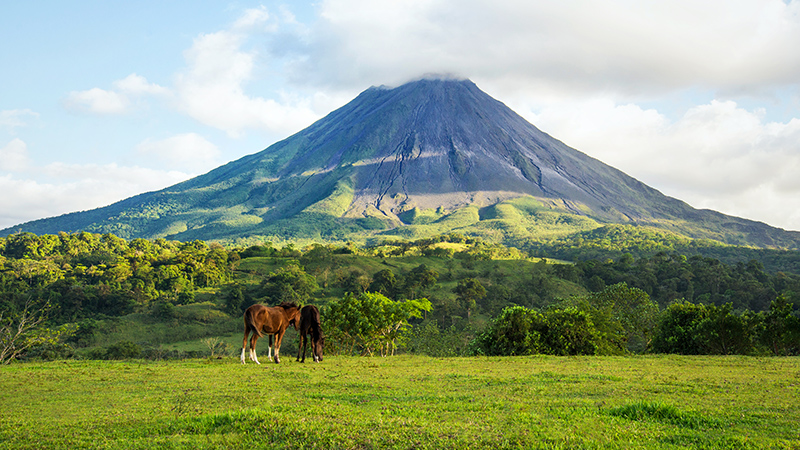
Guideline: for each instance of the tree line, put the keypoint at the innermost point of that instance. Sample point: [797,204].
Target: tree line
[620,320]
[664,303]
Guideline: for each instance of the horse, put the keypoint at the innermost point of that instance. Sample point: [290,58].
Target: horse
[310,325]
[260,320]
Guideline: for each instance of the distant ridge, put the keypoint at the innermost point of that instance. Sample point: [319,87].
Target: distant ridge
[408,160]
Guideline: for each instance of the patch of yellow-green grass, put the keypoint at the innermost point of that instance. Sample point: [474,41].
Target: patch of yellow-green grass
[337,202]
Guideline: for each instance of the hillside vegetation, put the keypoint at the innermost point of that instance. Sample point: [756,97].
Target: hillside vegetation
[115,298]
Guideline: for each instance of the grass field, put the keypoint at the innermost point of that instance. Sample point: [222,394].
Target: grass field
[652,402]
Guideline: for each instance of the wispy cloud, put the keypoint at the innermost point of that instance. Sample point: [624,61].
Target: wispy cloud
[114,101]
[717,155]
[14,156]
[211,89]
[188,151]
[15,118]
[75,187]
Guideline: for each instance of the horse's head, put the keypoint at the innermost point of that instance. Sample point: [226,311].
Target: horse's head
[292,313]
[317,350]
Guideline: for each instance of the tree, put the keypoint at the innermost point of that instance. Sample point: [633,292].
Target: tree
[235,299]
[419,280]
[570,331]
[677,329]
[370,321]
[632,309]
[723,332]
[781,332]
[468,292]
[523,331]
[24,329]
[289,284]
[516,331]
[384,282]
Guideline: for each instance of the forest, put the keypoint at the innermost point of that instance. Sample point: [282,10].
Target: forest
[85,295]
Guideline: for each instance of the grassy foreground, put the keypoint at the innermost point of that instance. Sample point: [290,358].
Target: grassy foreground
[653,402]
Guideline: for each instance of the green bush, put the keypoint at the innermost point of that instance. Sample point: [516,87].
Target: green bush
[570,331]
[517,331]
[123,350]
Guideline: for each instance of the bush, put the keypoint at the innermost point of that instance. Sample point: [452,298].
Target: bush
[123,350]
[677,330]
[697,329]
[428,339]
[523,331]
[517,331]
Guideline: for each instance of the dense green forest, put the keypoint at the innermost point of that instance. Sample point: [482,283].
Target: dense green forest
[99,296]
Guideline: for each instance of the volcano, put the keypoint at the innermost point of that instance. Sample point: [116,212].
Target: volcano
[430,156]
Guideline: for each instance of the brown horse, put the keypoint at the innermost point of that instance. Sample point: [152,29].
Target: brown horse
[310,325]
[260,320]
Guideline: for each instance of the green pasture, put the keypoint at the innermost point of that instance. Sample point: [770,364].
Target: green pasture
[405,402]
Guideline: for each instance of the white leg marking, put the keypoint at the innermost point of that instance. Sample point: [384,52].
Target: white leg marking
[242,355]
[253,356]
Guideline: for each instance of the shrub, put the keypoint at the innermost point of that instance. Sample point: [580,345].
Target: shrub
[123,350]
[523,331]
[570,332]
[517,331]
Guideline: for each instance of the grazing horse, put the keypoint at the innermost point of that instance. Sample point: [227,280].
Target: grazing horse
[260,320]
[309,324]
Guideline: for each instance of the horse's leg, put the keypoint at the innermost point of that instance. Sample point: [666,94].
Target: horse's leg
[302,348]
[314,344]
[244,343]
[253,340]
[270,347]
[278,339]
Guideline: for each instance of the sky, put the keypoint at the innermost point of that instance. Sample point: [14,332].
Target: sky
[102,100]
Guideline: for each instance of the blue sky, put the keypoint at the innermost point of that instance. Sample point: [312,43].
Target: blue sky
[101,100]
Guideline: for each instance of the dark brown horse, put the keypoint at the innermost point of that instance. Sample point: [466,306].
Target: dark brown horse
[310,325]
[260,320]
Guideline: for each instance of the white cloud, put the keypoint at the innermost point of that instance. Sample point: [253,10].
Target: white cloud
[252,17]
[97,101]
[115,101]
[14,156]
[15,118]
[74,187]
[629,47]
[187,151]
[136,84]
[212,87]
[717,155]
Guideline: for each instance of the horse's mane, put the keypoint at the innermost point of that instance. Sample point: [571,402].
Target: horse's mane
[287,305]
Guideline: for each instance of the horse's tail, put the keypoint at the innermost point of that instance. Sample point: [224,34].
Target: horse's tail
[249,323]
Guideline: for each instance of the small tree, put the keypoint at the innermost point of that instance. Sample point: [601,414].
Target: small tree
[469,291]
[371,322]
[289,284]
[677,330]
[625,316]
[23,329]
[570,331]
[384,282]
[516,331]
[781,332]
